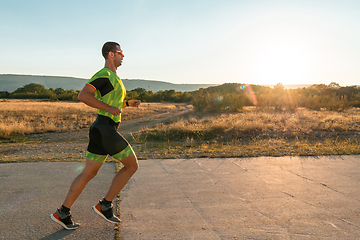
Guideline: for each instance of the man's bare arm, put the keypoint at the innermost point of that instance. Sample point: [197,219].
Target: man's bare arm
[132,103]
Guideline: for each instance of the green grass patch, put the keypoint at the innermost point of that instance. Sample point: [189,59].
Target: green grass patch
[18,139]
[252,133]
[46,158]
[247,148]
[180,134]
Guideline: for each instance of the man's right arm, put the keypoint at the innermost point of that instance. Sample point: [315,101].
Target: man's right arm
[86,96]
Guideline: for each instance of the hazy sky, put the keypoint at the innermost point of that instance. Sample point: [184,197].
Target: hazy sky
[188,41]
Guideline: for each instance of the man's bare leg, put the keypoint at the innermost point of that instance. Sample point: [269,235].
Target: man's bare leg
[80,182]
[131,165]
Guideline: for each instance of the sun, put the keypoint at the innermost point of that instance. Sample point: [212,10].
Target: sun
[282,63]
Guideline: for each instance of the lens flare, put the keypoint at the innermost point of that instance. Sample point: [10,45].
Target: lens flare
[248,92]
[219,98]
[78,168]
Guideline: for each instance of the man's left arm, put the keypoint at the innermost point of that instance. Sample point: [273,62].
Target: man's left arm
[131,103]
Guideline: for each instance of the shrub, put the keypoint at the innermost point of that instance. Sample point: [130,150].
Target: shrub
[213,102]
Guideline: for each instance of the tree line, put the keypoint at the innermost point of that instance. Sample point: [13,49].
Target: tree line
[38,91]
[228,97]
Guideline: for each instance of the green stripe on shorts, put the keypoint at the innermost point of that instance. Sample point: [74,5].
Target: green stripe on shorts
[124,153]
[96,157]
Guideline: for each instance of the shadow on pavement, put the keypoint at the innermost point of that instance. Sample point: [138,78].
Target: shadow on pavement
[58,235]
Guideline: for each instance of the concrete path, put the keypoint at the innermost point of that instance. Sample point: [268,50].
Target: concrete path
[237,198]
[244,198]
[30,192]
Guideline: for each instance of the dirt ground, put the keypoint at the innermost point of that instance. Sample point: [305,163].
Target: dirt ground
[70,146]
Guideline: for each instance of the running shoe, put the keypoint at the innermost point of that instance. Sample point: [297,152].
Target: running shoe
[64,220]
[106,212]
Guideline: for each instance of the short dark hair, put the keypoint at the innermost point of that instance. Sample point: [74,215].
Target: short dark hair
[108,47]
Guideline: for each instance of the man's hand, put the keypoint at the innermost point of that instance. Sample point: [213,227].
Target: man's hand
[114,110]
[134,103]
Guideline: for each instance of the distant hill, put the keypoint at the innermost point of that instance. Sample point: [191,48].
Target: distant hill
[11,82]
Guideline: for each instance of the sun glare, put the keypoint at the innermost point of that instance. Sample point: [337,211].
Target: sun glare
[282,63]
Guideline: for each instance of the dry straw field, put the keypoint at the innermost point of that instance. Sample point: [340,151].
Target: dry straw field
[252,121]
[252,132]
[31,116]
[256,132]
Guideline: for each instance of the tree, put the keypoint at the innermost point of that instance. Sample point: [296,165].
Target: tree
[30,88]
[139,90]
[334,85]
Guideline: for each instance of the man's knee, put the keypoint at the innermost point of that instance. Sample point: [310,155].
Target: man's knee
[131,163]
[134,166]
[89,174]
[93,173]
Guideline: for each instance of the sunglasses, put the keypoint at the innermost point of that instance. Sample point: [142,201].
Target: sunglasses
[119,52]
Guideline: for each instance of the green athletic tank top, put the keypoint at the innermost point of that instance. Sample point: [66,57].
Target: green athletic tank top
[109,89]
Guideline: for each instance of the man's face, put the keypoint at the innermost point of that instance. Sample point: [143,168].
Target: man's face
[118,57]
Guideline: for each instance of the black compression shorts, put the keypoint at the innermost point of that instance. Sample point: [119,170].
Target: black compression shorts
[105,140]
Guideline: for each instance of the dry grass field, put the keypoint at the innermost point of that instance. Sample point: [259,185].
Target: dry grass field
[31,116]
[252,132]
[259,122]
[255,132]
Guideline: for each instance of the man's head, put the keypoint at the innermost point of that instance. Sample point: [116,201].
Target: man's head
[108,47]
[113,54]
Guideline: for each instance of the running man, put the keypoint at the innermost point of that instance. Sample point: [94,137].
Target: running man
[105,92]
